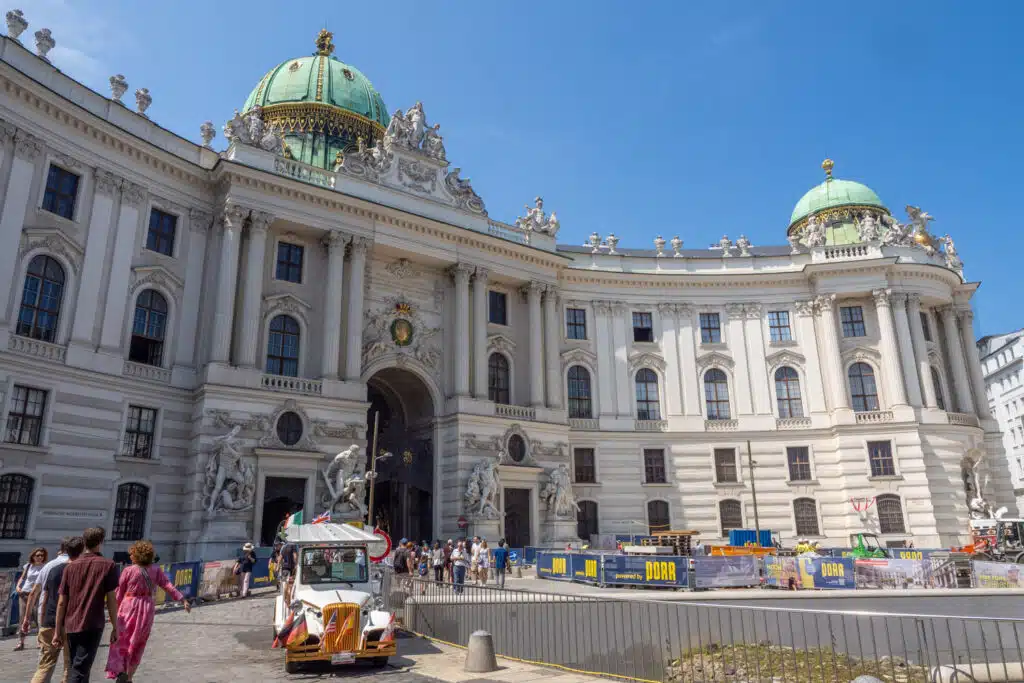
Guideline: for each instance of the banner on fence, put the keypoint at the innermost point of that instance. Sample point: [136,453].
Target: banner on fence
[891,573]
[723,572]
[826,572]
[913,553]
[998,575]
[553,566]
[515,556]
[585,568]
[781,572]
[218,579]
[185,576]
[644,571]
[7,581]
[262,576]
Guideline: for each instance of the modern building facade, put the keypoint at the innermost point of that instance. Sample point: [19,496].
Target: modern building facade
[1002,362]
[331,269]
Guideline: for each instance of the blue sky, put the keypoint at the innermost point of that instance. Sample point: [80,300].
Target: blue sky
[638,118]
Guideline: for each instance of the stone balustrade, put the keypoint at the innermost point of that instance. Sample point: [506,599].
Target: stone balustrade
[587,424]
[143,371]
[963,419]
[516,412]
[34,347]
[721,425]
[874,417]
[651,425]
[304,172]
[793,423]
[292,385]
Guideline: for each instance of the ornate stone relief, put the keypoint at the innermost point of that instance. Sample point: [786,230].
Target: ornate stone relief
[862,354]
[492,444]
[461,190]
[402,269]
[157,276]
[645,359]
[321,429]
[505,458]
[26,146]
[417,176]
[804,307]
[250,130]
[410,131]
[499,342]
[785,357]
[67,162]
[558,493]
[578,356]
[285,303]
[106,182]
[269,428]
[399,328]
[557,450]
[199,220]
[53,241]
[712,360]
[132,194]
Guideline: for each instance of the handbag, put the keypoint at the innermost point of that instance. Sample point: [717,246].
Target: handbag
[237,569]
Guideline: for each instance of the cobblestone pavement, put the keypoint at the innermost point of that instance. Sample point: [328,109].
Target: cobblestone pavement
[219,642]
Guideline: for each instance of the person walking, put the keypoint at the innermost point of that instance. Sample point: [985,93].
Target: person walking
[437,561]
[53,573]
[484,560]
[135,610]
[448,548]
[460,563]
[289,562]
[500,563]
[88,584]
[244,567]
[26,585]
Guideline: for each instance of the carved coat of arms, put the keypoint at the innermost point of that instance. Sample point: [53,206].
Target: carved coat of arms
[399,328]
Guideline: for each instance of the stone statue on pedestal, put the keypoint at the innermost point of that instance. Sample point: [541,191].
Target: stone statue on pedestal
[558,493]
[346,483]
[482,490]
[230,483]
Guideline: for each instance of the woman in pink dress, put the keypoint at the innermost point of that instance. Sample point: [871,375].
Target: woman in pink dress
[135,610]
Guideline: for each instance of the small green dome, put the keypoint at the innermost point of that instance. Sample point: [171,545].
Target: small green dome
[834,193]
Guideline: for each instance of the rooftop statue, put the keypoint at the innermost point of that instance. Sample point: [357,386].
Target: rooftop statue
[410,131]
[537,221]
[248,129]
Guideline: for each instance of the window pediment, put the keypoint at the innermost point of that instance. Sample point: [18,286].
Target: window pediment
[579,356]
[51,240]
[157,276]
[784,358]
[284,303]
[499,342]
[646,359]
[862,354]
[714,359]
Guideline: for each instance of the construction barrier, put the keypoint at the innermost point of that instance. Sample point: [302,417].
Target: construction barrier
[218,579]
[185,576]
[726,572]
[631,570]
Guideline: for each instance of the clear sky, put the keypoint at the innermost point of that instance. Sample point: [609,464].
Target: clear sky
[639,118]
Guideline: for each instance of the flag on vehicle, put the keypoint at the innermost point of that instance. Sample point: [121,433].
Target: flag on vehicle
[299,632]
[332,624]
[289,624]
[389,633]
[349,625]
[293,520]
[322,517]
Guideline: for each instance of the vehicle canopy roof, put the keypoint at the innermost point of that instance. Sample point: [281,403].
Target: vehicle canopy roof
[328,533]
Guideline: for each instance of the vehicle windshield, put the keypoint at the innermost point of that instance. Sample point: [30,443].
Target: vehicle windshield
[333,565]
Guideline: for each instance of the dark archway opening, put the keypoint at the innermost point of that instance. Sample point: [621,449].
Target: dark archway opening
[283,496]
[403,492]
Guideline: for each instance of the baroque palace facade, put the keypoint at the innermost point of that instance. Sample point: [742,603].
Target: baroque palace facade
[187,338]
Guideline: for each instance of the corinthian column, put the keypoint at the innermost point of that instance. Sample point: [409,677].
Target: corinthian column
[335,243]
[924,367]
[533,293]
[480,280]
[809,342]
[957,362]
[252,293]
[551,356]
[974,363]
[231,221]
[826,309]
[905,338]
[890,350]
[460,273]
[354,325]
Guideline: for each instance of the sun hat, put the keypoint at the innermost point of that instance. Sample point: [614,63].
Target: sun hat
[247,546]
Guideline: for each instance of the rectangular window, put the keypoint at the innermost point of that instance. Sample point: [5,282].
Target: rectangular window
[576,323]
[852,318]
[710,328]
[139,433]
[61,192]
[289,262]
[160,237]
[778,326]
[799,458]
[880,455]
[25,416]
[654,466]
[725,466]
[583,464]
[925,327]
[497,308]
[643,327]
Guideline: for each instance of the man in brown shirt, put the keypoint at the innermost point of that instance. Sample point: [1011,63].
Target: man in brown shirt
[88,584]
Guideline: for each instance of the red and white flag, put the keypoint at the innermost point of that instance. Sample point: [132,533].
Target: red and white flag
[322,517]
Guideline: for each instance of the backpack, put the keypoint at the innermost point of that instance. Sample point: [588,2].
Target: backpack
[401,561]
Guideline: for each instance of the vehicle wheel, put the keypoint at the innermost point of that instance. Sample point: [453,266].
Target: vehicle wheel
[380,662]
[291,667]
[1019,559]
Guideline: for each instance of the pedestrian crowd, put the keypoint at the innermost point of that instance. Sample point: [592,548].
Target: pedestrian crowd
[72,597]
[452,562]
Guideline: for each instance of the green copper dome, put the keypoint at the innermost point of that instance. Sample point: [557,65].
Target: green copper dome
[832,194]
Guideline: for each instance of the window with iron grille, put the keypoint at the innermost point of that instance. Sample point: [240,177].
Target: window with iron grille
[890,514]
[289,262]
[586,520]
[716,394]
[940,400]
[576,323]
[710,328]
[731,515]
[805,512]
[162,227]
[497,308]
[283,346]
[852,318]
[139,433]
[880,456]
[580,403]
[787,393]
[643,327]
[725,466]
[41,299]
[863,390]
[497,379]
[648,405]
[654,466]
[658,517]
[61,192]
[583,465]
[778,326]
[799,458]
[15,504]
[148,328]
[25,416]
[130,512]
[925,327]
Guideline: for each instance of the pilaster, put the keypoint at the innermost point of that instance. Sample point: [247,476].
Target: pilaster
[754,333]
[973,361]
[905,338]
[460,273]
[625,391]
[825,307]
[354,324]
[132,196]
[668,315]
[198,228]
[809,343]
[27,150]
[890,350]
[957,361]
[334,241]
[533,296]
[107,187]
[688,380]
[252,292]
[924,367]
[552,359]
[230,222]
[605,357]
[480,280]
[737,344]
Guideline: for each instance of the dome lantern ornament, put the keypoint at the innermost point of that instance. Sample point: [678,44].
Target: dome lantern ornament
[827,166]
[325,43]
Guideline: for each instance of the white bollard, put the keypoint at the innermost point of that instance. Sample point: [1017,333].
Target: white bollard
[480,657]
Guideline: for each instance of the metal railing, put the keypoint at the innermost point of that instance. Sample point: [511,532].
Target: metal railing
[660,640]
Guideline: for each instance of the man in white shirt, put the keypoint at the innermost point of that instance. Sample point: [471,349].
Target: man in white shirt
[37,598]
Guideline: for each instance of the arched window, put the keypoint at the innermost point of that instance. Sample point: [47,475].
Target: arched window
[580,405]
[862,387]
[283,347]
[648,406]
[41,299]
[657,516]
[148,329]
[586,520]
[787,393]
[130,512]
[716,394]
[890,514]
[15,503]
[289,428]
[940,400]
[805,512]
[497,379]
[731,515]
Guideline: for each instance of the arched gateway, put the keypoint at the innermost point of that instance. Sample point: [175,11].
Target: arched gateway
[403,491]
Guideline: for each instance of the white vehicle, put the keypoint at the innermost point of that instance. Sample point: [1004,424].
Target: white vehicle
[335,614]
